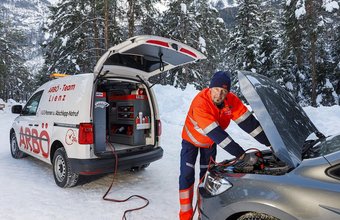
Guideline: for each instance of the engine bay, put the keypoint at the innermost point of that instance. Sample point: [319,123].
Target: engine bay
[270,165]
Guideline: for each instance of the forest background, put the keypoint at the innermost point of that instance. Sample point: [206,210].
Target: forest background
[294,42]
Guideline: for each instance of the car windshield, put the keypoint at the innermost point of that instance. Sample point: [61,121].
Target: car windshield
[327,146]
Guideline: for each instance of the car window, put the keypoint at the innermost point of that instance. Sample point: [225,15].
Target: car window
[32,105]
[334,172]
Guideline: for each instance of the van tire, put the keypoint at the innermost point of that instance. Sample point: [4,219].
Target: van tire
[15,151]
[62,170]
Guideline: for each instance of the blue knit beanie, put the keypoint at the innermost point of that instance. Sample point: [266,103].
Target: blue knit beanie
[221,79]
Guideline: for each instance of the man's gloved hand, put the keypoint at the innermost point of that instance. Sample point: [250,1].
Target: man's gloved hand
[247,163]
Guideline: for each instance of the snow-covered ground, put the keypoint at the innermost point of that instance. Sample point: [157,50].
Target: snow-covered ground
[28,190]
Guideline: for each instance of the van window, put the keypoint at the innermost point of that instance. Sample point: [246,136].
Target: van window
[32,105]
[144,63]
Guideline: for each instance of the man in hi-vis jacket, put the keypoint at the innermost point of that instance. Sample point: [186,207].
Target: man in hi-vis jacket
[208,117]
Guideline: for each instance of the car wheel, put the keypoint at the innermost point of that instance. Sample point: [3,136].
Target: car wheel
[62,170]
[15,151]
[256,216]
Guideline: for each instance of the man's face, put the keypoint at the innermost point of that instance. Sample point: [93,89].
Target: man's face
[218,94]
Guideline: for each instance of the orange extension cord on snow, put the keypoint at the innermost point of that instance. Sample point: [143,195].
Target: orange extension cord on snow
[122,200]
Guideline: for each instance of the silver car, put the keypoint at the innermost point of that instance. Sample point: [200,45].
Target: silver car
[299,178]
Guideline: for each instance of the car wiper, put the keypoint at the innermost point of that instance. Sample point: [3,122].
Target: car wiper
[310,143]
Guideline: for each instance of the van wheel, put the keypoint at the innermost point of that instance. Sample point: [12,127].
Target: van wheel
[15,151]
[62,170]
[256,216]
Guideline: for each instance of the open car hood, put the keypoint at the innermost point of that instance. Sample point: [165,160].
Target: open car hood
[145,56]
[283,120]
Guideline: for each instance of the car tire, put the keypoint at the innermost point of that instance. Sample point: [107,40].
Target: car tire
[256,216]
[15,151]
[63,173]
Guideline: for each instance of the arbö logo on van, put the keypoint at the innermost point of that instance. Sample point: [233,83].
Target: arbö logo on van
[35,141]
[70,137]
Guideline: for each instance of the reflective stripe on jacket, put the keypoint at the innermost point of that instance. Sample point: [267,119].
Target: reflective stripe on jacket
[206,124]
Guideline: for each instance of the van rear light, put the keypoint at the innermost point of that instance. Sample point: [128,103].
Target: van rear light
[158,42]
[159,128]
[183,50]
[85,133]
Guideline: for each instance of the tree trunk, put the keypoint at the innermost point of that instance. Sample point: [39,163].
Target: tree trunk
[312,23]
[106,24]
[313,68]
[131,17]
[95,30]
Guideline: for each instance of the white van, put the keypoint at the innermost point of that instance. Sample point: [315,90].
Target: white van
[75,122]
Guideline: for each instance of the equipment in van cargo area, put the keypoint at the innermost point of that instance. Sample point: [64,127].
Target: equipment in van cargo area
[124,119]
[127,117]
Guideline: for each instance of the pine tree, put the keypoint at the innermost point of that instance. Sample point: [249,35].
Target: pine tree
[14,76]
[142,17]
[243,47]
[294,63]
[270,41]
[198,25]
[179,24]
[81,30]
[212,41]
[326,62]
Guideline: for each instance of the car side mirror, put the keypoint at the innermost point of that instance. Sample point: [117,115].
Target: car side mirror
[16,109]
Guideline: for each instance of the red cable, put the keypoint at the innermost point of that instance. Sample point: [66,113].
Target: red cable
[122,200]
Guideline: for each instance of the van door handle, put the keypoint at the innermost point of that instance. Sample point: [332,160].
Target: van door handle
[36,125]
[30,124]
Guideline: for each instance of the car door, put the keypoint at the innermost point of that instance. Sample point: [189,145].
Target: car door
[30,136]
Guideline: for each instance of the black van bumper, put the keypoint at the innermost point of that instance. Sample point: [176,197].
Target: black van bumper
[107,165]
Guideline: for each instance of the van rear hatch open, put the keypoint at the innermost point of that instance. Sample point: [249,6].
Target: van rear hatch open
[130,120]
[145,56]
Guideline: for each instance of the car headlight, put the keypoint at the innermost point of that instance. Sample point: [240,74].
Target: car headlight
[216,185]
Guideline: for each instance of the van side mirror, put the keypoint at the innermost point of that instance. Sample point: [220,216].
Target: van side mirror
[16,109]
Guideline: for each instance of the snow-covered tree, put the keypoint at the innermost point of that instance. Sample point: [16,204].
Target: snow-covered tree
[243,47]
[307,37]
[143,17]
[270,40]
[14,76]
[198,25]
[80,32]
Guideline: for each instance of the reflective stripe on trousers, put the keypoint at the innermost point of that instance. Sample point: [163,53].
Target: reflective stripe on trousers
[185,199]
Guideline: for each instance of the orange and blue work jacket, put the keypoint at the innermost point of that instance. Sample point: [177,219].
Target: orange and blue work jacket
[206,123]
